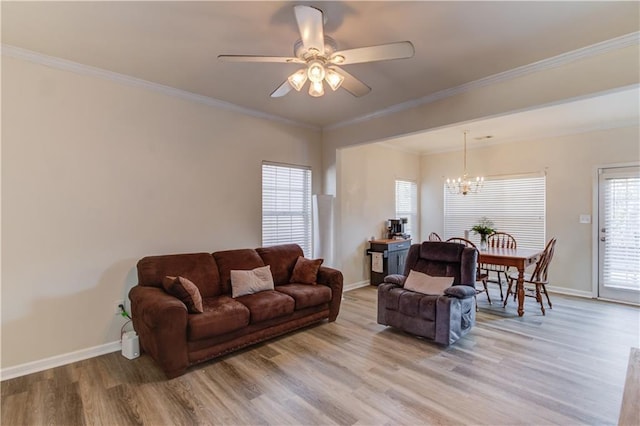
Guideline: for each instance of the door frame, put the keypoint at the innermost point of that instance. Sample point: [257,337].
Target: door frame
[595,221]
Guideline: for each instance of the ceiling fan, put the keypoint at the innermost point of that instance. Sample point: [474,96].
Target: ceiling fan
[320,58]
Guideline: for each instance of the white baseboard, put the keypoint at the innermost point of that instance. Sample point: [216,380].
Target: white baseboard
[353,286]
[58,360]
[570,292]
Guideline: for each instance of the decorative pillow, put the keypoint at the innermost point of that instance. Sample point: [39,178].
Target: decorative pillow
[423,283]
[252,281]
[305,271]
[186,291]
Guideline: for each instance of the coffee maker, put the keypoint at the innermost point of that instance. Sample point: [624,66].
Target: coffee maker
[395,229]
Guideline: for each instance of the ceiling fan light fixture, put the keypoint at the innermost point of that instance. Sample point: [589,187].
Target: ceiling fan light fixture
[316,89]
[298,79]
[316,71]
[334,79]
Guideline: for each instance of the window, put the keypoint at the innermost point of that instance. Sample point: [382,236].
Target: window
[286,205]
[407,205]
[515,205]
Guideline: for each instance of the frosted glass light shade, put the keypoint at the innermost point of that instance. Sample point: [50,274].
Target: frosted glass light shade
[334,79]
[316,89]
[315,71]
[297,79]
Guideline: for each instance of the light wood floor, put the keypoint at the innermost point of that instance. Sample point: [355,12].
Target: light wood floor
[566,368]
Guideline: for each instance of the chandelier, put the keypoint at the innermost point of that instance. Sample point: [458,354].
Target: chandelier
[316,71]
[463,185]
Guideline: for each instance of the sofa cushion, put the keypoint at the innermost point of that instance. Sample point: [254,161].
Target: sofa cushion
[282,258]
[184,290]
[249,282]
[267,305]
[306,295]
[427,284]
[306,271]
[221,315]
[199,268]
[241,259]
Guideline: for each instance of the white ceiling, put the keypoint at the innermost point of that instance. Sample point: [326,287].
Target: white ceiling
[177,43]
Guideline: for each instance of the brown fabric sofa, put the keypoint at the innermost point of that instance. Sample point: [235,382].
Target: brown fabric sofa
[176,339]
[442,318]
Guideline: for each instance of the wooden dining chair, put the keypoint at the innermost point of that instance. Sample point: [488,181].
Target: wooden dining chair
[535,284]
[434,237]
[480,276]
[499,240]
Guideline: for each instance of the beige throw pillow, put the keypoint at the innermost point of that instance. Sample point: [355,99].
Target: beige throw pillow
[423,283]
[253,281]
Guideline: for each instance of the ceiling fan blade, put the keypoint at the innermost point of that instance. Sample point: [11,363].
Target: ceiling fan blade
[352,84]
[256,58]
[310,24]
[282,90]
[383,52]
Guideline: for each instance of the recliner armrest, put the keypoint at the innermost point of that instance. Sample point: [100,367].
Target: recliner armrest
[396,279]
[460,291]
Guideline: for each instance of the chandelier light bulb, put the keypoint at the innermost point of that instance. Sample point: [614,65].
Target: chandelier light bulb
[316,71]
[316,89]
[334,79]
[297,79]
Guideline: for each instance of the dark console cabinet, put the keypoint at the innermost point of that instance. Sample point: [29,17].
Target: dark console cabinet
[387,257]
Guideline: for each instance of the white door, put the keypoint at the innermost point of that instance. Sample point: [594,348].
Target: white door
[619,234]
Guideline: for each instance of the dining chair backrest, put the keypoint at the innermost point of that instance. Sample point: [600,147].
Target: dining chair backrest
[501,240]
[461,240]
[434,237]
[542,266]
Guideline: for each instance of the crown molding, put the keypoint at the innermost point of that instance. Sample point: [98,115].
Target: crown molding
[628,40]
[78,68]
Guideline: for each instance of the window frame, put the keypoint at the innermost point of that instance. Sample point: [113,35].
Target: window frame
[412,227]
[274,233]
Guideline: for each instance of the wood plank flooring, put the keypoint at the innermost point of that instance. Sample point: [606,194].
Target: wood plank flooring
[566,368]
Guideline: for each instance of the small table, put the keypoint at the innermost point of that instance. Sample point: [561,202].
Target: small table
[518,258]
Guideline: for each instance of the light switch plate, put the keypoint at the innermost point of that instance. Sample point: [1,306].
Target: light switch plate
[585,218]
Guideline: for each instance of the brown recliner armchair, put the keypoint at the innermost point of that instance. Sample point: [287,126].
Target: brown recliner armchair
[442,318]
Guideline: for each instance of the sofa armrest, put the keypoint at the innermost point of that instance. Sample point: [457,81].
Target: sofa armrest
[161,323]
[460,291]
[333,279]
[396,279]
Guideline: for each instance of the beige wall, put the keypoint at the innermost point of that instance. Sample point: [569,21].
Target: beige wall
[551,84]
[570,162]
[95,175]
[366,179]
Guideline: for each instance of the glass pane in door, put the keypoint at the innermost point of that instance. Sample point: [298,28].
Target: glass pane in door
[619,234]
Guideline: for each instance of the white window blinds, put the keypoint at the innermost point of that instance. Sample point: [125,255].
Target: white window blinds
[407,205]
[286,205]
[621,231]
[514,205]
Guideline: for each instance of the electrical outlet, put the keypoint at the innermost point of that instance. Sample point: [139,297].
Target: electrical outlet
[116,307]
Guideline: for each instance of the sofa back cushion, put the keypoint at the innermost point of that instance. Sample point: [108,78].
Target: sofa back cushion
[282,259]
[199,268]
[240,259]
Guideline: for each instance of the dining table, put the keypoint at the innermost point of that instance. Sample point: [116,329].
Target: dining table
[518,258]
